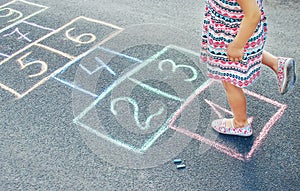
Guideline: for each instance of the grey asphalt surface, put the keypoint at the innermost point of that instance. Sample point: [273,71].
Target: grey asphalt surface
[43,148]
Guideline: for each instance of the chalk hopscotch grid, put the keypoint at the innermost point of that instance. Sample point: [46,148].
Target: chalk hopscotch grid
[222,147]
[24,18]
[7,57]
[149,142]
[104,94]
[73,59]
[119,29]
[77,87]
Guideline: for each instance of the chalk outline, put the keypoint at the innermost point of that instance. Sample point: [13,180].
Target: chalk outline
[66,82]
[150,141]
[25,18]
[75,87]
[223,148]
[19,33]
[36,43]
[103,65]
[120,54]
[226,150]
[104,94]
[64,26]
[4,55]
[37,26]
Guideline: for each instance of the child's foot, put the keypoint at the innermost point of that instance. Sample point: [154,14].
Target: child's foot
[286,74]
[226,126]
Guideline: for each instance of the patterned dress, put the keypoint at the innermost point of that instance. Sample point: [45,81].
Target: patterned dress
[222,19]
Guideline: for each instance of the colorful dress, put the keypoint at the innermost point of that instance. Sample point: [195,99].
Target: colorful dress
[222,19]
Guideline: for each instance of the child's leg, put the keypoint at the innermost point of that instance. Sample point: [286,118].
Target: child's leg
[237,102]
[239,124]
[270,60]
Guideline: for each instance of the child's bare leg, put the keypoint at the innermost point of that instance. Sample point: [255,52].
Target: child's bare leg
[237,102]
[270,60]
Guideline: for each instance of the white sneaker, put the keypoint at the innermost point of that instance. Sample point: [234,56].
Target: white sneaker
[286,74]
[220,126]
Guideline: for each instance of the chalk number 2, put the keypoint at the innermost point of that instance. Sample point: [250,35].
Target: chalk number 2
[144,126]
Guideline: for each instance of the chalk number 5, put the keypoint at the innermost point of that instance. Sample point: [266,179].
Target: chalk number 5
[23,65]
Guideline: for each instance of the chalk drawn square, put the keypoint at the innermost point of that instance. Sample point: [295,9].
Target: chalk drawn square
[99,119]
[29,69]
[17,11]
[175,66]
[20,36]
[128,118]
[66,58]
[99,65]
[273,113]
[80,35]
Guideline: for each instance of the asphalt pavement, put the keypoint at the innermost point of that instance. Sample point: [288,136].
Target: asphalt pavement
[110,95]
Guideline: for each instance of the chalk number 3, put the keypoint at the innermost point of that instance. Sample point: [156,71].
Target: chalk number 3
[175,67]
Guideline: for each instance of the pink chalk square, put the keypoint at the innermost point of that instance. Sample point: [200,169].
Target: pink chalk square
[224,148]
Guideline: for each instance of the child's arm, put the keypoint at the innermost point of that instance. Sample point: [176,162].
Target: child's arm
[248,25]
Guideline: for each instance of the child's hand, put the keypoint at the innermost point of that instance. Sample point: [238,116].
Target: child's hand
[235,52]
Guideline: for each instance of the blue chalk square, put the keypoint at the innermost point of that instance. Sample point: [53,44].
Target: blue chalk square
[96,71]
